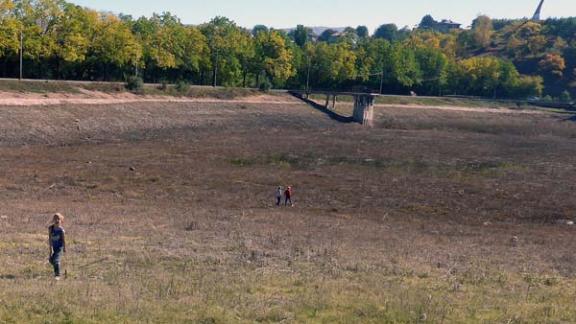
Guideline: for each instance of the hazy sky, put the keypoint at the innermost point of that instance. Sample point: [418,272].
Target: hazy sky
[333,13]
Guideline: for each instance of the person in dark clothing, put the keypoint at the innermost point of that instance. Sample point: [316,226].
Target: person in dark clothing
[57,243]
[278,195]
[288,196]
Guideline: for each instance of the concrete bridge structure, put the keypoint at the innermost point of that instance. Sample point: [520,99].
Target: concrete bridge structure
[363,112]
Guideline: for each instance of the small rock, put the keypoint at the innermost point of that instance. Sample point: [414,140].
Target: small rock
[514,241]
[3,217]
[423,317]
[487,223]
[132,169]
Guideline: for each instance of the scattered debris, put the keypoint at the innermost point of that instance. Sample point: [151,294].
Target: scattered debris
[192,226]
[565,222]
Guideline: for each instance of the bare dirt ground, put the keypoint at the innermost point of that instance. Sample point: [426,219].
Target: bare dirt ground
[430,216]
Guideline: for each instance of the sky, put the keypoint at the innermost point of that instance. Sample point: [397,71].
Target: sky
[333,13]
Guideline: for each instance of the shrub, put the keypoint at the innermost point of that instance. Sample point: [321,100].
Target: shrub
[527,86]
[183,87]
[163,85]
[135,84]
[265,85]
[565,96]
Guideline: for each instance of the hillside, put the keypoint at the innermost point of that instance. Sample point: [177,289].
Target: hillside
[545,48]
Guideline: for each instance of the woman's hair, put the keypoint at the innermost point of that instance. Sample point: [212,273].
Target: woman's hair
[57,216]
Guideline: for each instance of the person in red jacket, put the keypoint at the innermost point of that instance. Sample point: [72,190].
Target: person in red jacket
[288,196]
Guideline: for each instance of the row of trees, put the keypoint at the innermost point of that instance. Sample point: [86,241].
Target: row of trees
[66,41]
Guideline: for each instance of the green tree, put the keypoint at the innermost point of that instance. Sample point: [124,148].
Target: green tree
[427,22]
[405,69]
[362,32]
[329,36]
[115,46]
[274,56]
[333,64]
[224,39]
[39,19]
[531,39]
[349,36]
[433,66]
[482,31]
[483,75]
[302,35]
[259,29]
[553,64]
[9,29]
[73,34]
[387,31]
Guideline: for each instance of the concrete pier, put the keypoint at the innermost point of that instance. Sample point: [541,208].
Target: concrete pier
[364,109]
[363,105]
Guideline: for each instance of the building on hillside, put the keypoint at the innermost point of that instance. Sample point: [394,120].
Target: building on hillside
[443,26]
[446,26]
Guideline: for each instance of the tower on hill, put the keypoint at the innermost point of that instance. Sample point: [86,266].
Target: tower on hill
[536,16]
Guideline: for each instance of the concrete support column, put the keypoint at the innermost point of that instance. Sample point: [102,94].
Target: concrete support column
[364,109]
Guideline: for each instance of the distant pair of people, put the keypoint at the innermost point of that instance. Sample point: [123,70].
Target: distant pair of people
[287,194]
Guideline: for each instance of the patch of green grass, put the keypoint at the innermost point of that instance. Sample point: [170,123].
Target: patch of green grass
[485,168]
[281,160]
[241,162]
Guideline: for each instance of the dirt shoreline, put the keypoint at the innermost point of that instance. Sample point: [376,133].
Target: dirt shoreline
[86,97]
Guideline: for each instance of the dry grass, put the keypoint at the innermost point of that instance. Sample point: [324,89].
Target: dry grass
[48,87]
[170,218]
[436,101]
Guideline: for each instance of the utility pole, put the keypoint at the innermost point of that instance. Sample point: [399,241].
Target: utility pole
[214,81]
[21,51]
[382,81]
[308,78]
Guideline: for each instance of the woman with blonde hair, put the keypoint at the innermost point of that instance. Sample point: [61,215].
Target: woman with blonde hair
[57,243]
